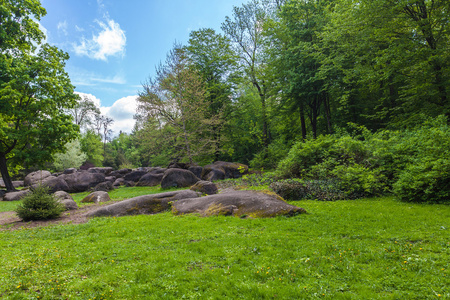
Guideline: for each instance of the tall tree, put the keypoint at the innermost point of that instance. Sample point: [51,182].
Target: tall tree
[215,61]
[245,30]
[84,112]
[35,91]
[177,97]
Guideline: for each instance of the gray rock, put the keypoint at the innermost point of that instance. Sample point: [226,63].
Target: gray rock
[96,197]
[69,171]
[134,176]
[82,181]
[101,170]
[178,178]
[104,186]
[223,170]
[148,204]
[18,183]
[119,182]
[197,170]
[15,196]
[150,179]
[66,200]
[238,203]
[205,187]
[36,177]
[54,184]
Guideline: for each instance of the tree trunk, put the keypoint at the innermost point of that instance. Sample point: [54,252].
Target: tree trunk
[303,121]
[327,109]
[5,175]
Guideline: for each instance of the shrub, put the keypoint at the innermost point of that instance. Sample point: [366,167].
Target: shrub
[427,181]
[323,190]
[39,205]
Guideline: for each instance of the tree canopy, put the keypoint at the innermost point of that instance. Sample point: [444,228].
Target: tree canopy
[35,91]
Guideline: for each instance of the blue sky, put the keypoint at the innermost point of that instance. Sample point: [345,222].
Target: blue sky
[115,45]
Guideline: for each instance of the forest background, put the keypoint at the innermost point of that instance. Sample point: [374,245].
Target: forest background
[287,77]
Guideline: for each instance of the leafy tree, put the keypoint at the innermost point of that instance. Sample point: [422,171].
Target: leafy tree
[91,145]
[245,30]
[176,97]
[215,61]
[34,91]
[84,112]
[391,58]
[73,157]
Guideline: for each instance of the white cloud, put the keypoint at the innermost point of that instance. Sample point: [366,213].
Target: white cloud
[91,97]
[122,112]
[110,41]
[79,29]
[62,27]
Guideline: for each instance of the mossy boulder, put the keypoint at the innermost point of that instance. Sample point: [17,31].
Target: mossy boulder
[239,204]
[148,204]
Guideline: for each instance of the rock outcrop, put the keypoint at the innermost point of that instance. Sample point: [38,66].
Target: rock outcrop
[178,178]
[237,203]
[148,204]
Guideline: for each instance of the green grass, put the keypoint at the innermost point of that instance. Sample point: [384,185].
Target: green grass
[361,249]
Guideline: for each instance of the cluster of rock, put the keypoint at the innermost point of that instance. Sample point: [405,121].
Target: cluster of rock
[232,203]
[199,179]
[105,179]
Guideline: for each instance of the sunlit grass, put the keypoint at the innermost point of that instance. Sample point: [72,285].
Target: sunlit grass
[361,249]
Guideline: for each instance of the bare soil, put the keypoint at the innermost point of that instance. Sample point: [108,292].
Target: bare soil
[10,221]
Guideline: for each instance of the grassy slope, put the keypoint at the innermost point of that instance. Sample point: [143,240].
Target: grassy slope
[362,249]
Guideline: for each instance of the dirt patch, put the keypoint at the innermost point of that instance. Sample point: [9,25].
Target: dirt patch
[10,221]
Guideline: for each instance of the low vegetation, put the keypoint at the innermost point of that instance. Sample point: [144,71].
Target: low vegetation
[39,205]
[365,248]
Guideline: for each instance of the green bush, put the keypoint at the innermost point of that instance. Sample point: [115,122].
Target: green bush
[323,190]
[412,163]
[39,205]
[428,181]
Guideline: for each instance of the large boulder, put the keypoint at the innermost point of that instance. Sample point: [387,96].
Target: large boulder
[223,170]
[148,204]
[82,181]
[237,203]
[69,171]
[53,183]
[96,197]
[66,200]
[120,173]
[205,187]
[15,196]
[197,170]
[104,186]
[150,179]
[178,178]
[102,170]
[36,177]
[134,176]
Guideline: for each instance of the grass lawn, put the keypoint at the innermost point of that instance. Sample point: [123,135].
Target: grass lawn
[360,249]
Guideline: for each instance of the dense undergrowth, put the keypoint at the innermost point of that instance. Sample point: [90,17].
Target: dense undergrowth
[412,164]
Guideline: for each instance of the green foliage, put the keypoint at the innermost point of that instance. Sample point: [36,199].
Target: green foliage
[323,190]
[35,91]
[413,163]
[72,158]
[39,205]
[91,145]
[427,181]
